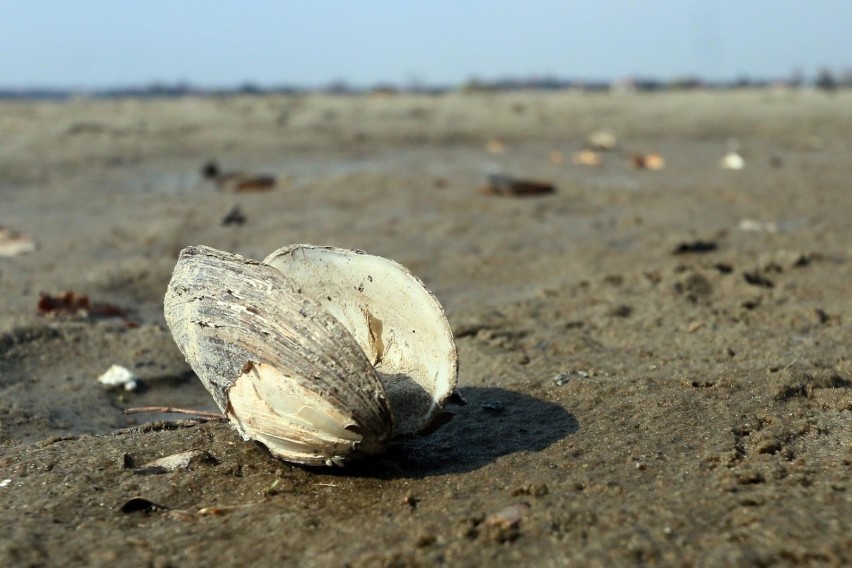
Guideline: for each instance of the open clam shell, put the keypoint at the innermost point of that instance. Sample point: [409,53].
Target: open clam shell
[321,354]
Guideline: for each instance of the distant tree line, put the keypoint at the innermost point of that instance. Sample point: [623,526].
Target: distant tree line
[825,80]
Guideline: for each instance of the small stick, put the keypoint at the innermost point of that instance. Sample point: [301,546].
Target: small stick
[793,362]
[170,410]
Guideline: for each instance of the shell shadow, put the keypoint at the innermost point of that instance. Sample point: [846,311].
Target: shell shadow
[475,437]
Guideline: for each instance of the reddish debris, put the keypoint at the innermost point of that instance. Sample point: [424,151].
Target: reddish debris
[237,181]
[508,186]
[72,304]
[255,183]
[649,162]
[108,311]
[68,303]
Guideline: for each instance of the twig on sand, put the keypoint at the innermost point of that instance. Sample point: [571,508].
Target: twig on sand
[170,410]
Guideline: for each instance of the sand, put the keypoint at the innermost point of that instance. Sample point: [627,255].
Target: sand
[664,408]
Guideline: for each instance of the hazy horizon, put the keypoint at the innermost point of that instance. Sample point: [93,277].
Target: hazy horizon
[224,44]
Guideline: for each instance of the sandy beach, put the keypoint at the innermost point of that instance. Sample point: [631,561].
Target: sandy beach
[670,349]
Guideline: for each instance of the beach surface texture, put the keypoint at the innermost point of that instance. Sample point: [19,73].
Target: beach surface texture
[654,348]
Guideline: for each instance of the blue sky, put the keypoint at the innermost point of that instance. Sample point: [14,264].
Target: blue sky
[96,44]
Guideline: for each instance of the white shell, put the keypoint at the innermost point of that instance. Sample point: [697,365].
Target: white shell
[732,161]
[118,376]
[321,354]
[397,322]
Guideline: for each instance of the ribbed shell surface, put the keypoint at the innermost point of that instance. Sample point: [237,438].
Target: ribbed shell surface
[227,313]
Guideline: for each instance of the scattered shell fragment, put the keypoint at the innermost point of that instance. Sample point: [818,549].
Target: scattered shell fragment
[694,326]
[504,525]
[5,482]
[587,158]
[321,354]
[649,162]
[13,243]
[603,139]
[118,376]
[732,161]
[561,379]
[504,185]
[509,516]
[754,226]
[174,462]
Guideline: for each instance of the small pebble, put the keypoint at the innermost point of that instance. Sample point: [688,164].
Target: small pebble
[425,540]
[141,504]
[234,217]
[457,399]
[561,379]
[493,406]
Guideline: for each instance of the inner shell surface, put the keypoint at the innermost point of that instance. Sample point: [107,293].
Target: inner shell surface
[393,317]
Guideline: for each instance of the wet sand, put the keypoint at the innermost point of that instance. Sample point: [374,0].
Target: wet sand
[658,407]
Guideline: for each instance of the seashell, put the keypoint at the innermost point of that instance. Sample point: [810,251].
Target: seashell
[587,158]
[603,139]
[732,161]
[321,354]
[13,243]
[118,376]
[649,162]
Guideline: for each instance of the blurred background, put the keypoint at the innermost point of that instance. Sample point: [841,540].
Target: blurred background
[51,47]
[669,270]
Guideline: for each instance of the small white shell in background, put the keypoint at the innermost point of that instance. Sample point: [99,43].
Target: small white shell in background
[173,462]
[755,226]
[13,243]
[603,139]
[732,161]
[118,376]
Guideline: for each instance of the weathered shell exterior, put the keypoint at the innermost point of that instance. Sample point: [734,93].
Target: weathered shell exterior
[228,314]
[301,359]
